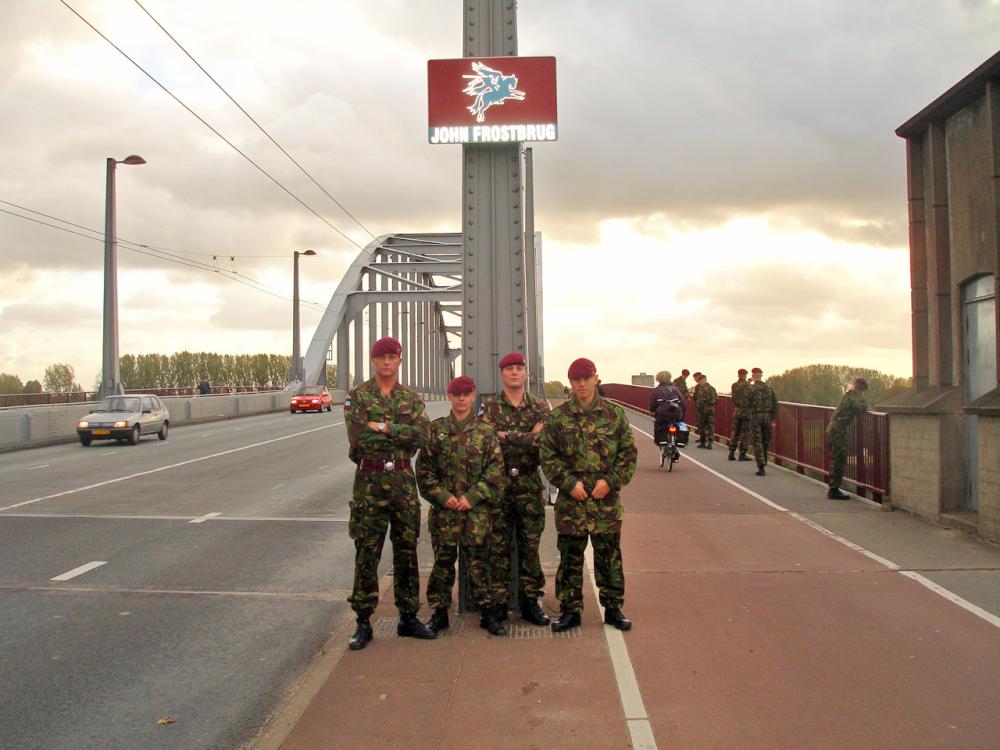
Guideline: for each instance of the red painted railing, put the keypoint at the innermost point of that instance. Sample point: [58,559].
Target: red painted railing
[41,399]
[799,436]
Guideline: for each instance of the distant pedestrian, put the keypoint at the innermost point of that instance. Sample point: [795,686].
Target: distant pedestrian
[517,418]
[588,452]
[460,472]
[740,391]
[204,389]
[851,405]
[386,425]
[763,412]
[705,399]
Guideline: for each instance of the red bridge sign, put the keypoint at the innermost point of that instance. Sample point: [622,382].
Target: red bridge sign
[491,100]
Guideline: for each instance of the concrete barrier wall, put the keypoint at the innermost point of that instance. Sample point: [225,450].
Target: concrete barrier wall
[32,426]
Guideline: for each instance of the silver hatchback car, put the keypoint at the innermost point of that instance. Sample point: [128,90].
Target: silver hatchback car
[125,418]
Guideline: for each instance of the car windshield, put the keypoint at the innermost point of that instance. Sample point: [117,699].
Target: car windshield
[119,403]
[313,390]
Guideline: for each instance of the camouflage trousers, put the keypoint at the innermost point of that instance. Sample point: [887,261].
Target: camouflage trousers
[760,435]
[380,503]
[837,440]
[706,425]
[451,531]
[741,433]
[608,570]
[520,519]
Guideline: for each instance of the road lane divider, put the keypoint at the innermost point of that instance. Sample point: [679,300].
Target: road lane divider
[206,517]
[167,467]
[941,591]
[42,466]
[70,574]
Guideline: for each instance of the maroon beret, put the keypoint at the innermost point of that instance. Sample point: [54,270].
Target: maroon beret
[462,384]
[685,373]
[581,368]
[386,345]
[696,375]
[757,369]
[861,383]
[741,371]
[514,358]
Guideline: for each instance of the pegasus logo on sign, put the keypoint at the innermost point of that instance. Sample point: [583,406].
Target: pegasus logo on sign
[489,87]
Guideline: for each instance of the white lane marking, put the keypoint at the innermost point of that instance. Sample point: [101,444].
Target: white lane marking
[79,571]
[42,466]
[165,468]
[206,517]
[277,487]
[636,718]
[122,517]
[723,477]
[109,453]
[207,434]
[330,595]
[936,588]
[991,618]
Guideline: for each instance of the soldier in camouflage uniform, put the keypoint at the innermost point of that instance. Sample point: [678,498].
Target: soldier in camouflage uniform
[460,474]
[681,384]
[588,452]
[740,391]
[763,412]
[705,399]
[386,425]
[851,406]
[517,417]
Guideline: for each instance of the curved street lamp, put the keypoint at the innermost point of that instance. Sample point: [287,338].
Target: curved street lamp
[110,373]
[295,371]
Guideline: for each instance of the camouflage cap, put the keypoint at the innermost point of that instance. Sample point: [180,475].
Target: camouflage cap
[462,384]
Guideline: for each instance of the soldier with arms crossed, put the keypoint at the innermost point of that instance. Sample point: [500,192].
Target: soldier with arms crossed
[517,417]
[386,425]
[460,473]
[588,452]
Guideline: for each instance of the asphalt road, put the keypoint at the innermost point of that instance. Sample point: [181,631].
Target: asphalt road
[201,577]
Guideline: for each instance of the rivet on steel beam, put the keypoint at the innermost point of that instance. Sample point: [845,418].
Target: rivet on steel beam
[517,220]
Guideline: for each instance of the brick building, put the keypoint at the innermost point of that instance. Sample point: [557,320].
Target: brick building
[945,434]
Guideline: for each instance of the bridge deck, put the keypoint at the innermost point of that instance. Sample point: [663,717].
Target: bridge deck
[754,628]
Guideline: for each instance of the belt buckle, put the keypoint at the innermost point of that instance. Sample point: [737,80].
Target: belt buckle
[515,472]
[389,465]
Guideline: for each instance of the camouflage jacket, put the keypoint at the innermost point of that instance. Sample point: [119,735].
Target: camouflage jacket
[705,396]
[851,405]
[762,401]
[461,458]
[519,446]
[740,391]
[403,412]
[585,445]
[681,385]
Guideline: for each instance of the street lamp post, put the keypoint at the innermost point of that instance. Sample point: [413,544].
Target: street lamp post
[110,373]
[295,371]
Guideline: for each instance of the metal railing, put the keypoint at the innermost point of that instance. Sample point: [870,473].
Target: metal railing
[45,399]
[799,436]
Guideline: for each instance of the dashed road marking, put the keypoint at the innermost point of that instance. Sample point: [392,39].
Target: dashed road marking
[69,574]
[41,466]
[206,517]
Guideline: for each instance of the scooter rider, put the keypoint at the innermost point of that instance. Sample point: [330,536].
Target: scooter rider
[666,402]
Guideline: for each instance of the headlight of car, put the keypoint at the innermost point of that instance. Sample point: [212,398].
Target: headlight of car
[83,424]
[121,424]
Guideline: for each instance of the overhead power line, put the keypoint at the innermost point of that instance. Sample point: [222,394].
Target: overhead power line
[204,122]
[250,117]
[159,254]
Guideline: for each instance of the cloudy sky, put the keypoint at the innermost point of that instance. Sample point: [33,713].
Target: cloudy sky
[726,191]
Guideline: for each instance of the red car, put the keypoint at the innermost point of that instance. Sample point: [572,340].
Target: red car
[311,398]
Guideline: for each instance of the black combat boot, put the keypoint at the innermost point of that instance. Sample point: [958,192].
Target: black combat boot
[362,635]
[709,444]
[836,494]
[701,444]
[410,627]
[439,620]
[531,612]
[732,456]
[489,620]
[613,616]
[745,457]
[566,621]
[760,471]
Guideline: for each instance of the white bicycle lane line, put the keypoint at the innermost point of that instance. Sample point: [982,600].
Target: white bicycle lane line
[913,575]
[166,468]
